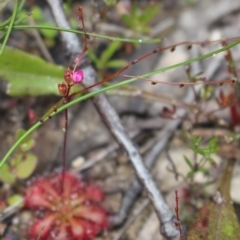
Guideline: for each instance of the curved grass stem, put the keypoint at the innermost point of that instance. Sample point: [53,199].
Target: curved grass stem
[9,29]
[122,83]
[20,27]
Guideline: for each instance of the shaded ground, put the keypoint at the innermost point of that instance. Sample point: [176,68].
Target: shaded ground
[92,151]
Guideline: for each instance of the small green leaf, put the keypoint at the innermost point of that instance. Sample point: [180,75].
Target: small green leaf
[213,145]
[149,13]
[19,134]
[117,63]
[48,33]
[110,2]
[6,175]
[190,174]
[37,13]
[190,1]
[188,162]
[204,170]
[206,92]
[127,20]
[94,58]
[28,142]
[15,199]
[110,50]
[196,149]
[26,74]
[212,161]
[26,167]
[27,145]
[196,139]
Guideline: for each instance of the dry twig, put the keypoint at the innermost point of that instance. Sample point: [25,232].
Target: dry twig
[112,121]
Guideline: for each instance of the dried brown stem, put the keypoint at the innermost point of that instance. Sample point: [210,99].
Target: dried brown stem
[178,223]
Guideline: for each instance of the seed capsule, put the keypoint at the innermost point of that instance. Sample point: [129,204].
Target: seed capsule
[62,88]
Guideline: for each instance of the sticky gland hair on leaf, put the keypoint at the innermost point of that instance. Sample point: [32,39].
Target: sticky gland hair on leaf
[74,213]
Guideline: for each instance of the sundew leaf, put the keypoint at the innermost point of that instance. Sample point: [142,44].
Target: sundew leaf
[217,219]
[28,75]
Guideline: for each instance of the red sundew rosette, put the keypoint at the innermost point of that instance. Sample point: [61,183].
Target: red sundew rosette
[69,211]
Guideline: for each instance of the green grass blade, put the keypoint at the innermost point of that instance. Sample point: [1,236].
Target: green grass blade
[6,22]
[18,27]
[120,84]
[10,25]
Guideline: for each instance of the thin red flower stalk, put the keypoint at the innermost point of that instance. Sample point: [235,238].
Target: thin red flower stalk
[178,224]
[235,114]
[71,78]
[182,84]
[86,37]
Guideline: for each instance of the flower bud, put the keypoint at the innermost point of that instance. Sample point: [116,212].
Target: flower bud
[62,88]
[68,76]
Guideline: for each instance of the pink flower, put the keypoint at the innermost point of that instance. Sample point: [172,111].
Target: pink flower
[69,212]
[77,76]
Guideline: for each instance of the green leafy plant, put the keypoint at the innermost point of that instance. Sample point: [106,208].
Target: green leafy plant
[22,164]
[206,156]
[41,20]
[110,2]
[139,19]
[104,61]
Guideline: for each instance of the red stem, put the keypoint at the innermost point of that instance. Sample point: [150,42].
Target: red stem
[178,224]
